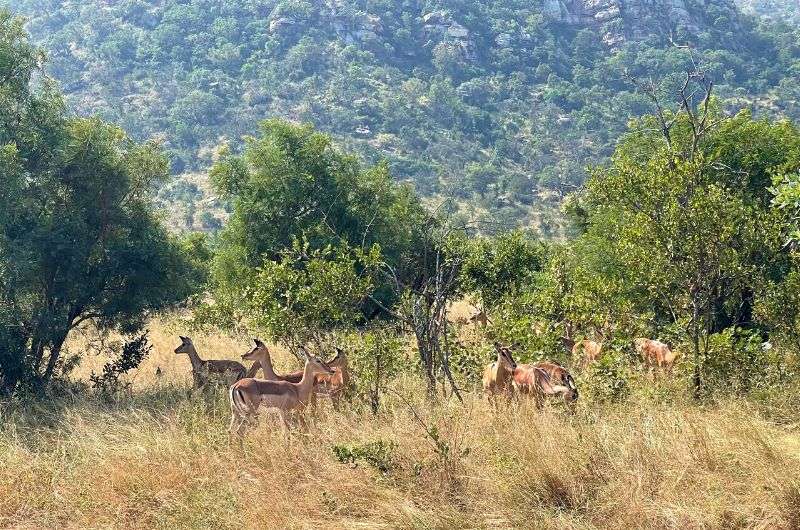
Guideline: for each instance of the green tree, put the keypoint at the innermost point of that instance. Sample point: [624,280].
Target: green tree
[78,238]
[500,267]
[682,218]
[291,185]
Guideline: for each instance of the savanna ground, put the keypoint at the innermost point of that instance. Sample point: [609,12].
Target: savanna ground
[159,456]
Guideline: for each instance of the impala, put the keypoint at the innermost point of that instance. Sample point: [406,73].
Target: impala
[559,375]
[259,353]
[656,354]
[535,382]
[203,370]
[331,386]
[498,376]
[247,395]
[334,385]
[591,351]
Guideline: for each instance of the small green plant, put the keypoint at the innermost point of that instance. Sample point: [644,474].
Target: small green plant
[378,454]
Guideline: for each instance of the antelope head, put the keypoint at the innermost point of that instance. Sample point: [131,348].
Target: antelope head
[504,357]
[318,366]
[258,349]
[186,345]
[339,358]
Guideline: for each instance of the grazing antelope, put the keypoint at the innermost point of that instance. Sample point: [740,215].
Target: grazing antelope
[230,371]
[655,353]
[247,395]
[559,375]
[535,382]
[498,376]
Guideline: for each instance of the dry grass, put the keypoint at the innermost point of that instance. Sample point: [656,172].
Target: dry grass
[161,458]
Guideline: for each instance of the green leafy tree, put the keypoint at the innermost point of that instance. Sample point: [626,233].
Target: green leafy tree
[682,218]
[78,238]
[291,185]
[504,266]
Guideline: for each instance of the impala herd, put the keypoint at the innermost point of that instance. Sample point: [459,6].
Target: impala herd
[290,394]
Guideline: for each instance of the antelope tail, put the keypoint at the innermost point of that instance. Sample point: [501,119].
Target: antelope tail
[238,402]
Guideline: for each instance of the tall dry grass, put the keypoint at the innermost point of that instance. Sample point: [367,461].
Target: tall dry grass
[160,457]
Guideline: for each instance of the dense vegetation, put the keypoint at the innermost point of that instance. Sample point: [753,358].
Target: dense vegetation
[499,104]
[79,240]
[689,232]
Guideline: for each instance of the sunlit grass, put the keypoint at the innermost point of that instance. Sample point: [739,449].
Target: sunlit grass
[159,457]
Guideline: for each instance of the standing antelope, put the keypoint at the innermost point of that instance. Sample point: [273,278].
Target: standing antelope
[591,351]
[498,376]
[535,382]
[260,354]
[559,375]
[334,385]
[331,386]
[247,395]
[230,371]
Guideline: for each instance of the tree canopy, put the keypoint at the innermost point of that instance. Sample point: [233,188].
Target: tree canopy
[79,239]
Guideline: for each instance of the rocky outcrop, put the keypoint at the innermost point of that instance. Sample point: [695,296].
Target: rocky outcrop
[440,26]
[623,20]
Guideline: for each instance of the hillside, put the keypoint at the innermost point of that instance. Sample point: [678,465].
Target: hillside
[776,10]
[501,105]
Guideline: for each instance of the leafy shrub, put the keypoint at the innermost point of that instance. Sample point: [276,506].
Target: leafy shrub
[376,357]
[378,454]
[739,361]
[133,353]
[606,379]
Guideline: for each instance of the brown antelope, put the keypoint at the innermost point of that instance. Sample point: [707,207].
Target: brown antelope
[656,354]
[332,386]
[247,395]
[259,353]
[535,382]
[480,319]
[202,371]
[588,351]
[559,375]
[498,376]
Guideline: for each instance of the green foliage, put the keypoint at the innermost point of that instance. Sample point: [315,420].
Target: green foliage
[787,198]
[309,292]
[376,357]
[607,379]
[378,454]
[79,239]
[291,186]
[501,266]
[740,362]
[467,361]
[133,352]
[778,308]
[687,226]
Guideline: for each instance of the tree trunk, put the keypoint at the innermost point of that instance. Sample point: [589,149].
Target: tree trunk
[55,353]
[698,380]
